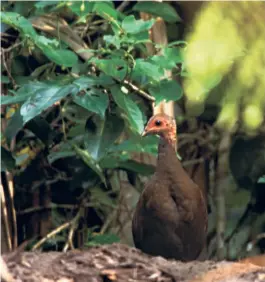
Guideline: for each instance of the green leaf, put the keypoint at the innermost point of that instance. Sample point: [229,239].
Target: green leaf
[147,144]
[261,179]
[168,90]
[169,58]
[13,126]
[8,99]
[131,25]
[105,10]
[94,100]
[42,130]
[85,82]
[81,8]
[52,43]
[89,161]
[126,104]
[102,239]
[7,160]
[65,58]
[99,140]
[43,4]
[53,156]
[163,10]
[17,21]
[23,93]
[113,40]
[114,67]
[4,79]
[173,54]
[149,69]
[141,37]
[101,197]
[43,99]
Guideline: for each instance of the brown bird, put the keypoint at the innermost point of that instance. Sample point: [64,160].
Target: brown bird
[170,219]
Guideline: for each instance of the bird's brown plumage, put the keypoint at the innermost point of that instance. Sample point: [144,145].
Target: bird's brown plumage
[170,219]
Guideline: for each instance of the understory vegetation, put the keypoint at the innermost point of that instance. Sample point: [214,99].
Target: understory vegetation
[79,81]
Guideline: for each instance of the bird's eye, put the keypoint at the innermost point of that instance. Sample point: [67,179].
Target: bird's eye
[158,122]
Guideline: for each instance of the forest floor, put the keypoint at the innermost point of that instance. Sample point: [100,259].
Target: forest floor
[120,263]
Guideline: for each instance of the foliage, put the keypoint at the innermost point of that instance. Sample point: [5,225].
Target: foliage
[78,84]
[83,103]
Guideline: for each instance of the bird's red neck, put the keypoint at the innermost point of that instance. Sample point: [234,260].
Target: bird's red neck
[170,138]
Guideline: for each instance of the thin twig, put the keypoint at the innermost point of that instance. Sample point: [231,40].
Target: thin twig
[193,162]
[7,50]
[138,90]
[5,217]
[73,226]
[51,234]
[10,185]
[7,70]
[41,208]
[108,221]
[123,5]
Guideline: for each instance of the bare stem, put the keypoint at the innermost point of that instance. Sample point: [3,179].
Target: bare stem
[51,234]
[5,217]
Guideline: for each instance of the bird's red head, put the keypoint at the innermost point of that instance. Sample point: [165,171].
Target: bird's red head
[162,125]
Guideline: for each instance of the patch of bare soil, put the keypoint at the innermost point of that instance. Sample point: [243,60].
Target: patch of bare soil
[120,263]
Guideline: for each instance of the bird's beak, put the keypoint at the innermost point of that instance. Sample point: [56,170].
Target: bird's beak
[144,133]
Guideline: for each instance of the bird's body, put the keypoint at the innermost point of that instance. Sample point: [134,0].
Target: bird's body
[170,219]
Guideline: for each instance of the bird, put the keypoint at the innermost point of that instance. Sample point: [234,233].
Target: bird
[170,218]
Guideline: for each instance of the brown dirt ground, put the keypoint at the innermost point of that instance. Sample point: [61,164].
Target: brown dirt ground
[122,263]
